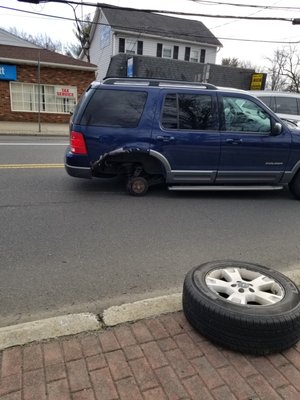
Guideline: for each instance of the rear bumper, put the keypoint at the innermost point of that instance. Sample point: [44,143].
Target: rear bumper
[77,165]
[78,172]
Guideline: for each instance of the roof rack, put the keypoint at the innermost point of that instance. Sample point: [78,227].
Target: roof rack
[156,82]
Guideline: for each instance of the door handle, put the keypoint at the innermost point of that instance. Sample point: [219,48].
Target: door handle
[234,141]
[165,138]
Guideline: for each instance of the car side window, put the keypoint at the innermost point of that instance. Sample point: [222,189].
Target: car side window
[189,112]
[286,105]
[243,115]
[170,114]
[115,108]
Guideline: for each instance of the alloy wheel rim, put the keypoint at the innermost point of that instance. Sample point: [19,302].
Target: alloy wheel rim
[245,287]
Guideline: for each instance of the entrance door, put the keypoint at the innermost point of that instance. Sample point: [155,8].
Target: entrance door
[250,153]
[186,135]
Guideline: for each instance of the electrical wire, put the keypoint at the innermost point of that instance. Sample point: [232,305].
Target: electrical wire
[208,2]
[195,36]
[147,10]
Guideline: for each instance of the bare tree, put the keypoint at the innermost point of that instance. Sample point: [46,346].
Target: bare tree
[230,62]
[82,32]
[291,69]
[284,69]
[276,79]
[44,41]
[41,40]
[236,63]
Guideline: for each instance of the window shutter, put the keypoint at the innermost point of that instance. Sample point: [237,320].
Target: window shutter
[202,56]
[187,54]
[140,47]
[159,50]
[121,45]
[175,52]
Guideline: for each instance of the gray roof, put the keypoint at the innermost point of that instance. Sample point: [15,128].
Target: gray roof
[10,39]
[30,55]
[158,25]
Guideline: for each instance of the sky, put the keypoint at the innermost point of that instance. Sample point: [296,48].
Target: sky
[242,39]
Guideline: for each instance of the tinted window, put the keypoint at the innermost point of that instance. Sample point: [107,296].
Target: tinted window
[117,108]
[266,100]
[286,105]
[189,112]
[169,115]
[242,115]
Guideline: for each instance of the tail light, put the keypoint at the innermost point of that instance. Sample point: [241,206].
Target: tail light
[77,143]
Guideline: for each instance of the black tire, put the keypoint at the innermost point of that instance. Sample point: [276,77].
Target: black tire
[137,186]
[295,186]
[248,328]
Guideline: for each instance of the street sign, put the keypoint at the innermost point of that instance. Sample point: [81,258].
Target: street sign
[8,72]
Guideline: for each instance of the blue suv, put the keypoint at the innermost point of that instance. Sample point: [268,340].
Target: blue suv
[192,136]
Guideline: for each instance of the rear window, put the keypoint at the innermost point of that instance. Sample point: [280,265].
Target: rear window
[116,108]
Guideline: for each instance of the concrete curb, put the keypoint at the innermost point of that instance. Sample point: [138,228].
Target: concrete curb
[72,324]
[47,328]
[142,309]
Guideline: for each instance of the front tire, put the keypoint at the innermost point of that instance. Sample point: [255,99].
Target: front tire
[242,306]
[295,186]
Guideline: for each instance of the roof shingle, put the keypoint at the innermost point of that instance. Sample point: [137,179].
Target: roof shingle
[159,25]
[44,56]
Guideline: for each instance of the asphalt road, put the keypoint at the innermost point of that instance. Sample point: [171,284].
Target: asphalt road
[76,245]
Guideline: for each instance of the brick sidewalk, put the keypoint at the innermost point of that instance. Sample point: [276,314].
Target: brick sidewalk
[154,359]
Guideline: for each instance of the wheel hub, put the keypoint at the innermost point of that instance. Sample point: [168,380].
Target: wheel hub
[245,287]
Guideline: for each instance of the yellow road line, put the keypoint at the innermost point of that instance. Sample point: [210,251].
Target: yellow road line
[30,166]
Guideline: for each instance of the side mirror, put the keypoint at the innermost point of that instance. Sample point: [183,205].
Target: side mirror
[277,129]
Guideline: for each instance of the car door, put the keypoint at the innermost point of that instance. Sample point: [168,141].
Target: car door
[250,152]
[185,135]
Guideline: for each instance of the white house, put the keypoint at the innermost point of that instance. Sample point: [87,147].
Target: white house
[116,31]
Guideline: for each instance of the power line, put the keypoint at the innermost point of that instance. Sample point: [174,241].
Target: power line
[142,30]
[244,5]
[103,5]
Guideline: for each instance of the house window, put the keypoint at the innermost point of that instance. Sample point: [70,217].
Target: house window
[53,99]
[167,52]
[194,56]
[202,56]
[130,46]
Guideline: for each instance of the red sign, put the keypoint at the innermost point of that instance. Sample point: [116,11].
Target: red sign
[65,92]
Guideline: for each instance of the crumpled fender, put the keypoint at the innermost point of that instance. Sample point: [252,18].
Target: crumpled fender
[125,149]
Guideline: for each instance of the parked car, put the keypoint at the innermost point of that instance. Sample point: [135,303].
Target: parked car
[190,136]
[286,105]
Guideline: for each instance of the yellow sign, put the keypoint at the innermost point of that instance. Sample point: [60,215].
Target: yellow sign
[257,82]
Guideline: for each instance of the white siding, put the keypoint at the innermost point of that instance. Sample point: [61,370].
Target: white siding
[101,50]
[150,46]
[105,44]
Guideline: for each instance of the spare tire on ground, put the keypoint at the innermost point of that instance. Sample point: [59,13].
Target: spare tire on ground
[242,306]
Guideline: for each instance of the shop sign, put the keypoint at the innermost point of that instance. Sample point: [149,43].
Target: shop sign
[8,72]
[61,91]
[258,81]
